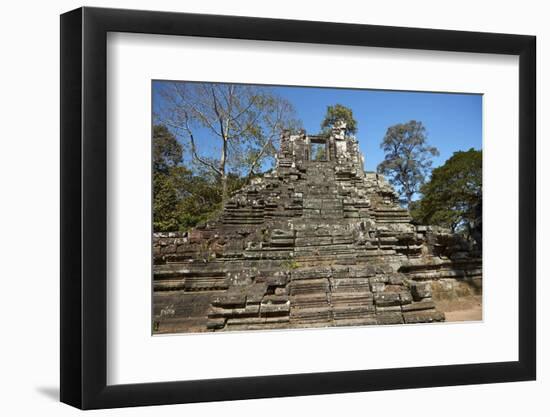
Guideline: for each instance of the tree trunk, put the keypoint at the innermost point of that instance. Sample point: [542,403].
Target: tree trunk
[224,189]
[409,200]
[222,170]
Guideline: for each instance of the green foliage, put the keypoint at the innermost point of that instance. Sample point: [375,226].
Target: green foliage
[201,196]
[256,148]
[339,112]
[227,127]
[165,203]
[229,133]
[183,197]
[407,159]
[290,265]
[167,151]
[454,191]
[167,154]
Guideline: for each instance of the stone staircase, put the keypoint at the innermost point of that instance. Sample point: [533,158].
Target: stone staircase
[310,244]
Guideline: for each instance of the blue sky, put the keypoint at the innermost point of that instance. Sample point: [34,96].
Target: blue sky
[453,121]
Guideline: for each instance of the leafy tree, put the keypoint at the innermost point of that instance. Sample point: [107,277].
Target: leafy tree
[339,112]
[452,198]
[200,197]
[167,151]
[407,158]
[167,155]
[228,127]
[183,198]
[165,203]
[256,148]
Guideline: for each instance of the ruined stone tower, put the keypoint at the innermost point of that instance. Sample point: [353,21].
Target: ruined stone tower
[315,242]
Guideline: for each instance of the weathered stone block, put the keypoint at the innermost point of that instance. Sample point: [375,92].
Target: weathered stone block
[387,299]
[256,292]
[426,316]
[229,300]
[406,297]
[380,278]
[276,279]
[281,291]
[380,309]
[396,279]
[377,286]
[216,323]
[421,290]
[420,305]
[275,308]
[389,318]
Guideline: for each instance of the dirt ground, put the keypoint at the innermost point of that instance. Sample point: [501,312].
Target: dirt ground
[462,309]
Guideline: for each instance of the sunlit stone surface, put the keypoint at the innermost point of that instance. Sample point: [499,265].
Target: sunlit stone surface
[309,244]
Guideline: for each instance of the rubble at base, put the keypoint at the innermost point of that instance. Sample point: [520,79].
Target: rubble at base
[309,244]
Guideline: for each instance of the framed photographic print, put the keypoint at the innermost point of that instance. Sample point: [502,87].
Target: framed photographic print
[257,208]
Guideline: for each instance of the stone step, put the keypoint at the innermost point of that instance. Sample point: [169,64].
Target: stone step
[175,270]
[274,309]
[425,316]
[308,315]
[420,305]
[352,312]
[350,285]
[256,320]
[298,287]
[312,273]
[312,301]
[194,283]
[365,320]
[250,310]
[169,285]
[332,249]
[389,318]
[352,299]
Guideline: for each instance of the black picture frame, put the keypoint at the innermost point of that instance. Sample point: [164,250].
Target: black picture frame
[84,207]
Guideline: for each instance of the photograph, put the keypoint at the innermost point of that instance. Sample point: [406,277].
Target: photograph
[242,208]
[287,207]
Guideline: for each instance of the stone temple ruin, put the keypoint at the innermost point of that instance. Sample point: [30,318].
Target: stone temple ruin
[313,243]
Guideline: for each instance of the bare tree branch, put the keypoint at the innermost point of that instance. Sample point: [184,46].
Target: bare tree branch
[194,150]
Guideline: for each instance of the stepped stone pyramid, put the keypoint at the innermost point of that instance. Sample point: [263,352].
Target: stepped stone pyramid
[312,243]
